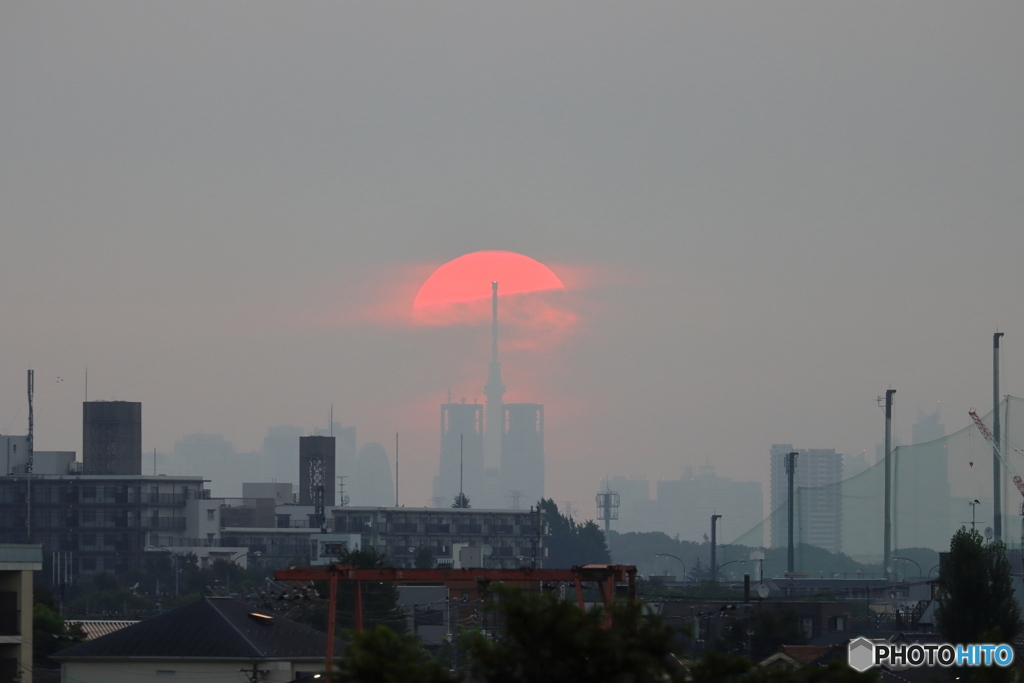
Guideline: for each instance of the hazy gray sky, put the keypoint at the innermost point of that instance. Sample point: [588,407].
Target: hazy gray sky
[770,211]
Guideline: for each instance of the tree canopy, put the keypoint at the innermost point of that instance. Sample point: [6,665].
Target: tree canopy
[975,593]
[572,543]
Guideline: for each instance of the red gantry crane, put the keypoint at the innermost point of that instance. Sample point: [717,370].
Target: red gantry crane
[606,576]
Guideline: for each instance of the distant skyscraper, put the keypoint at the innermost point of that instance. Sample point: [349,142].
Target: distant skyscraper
[281,452]
[344,455]
[502,456]
[112,437]
[317,469]
[522,453]
[461,429]
[684,506]
[922,491]
[372,484]
[820,506]
[928,428]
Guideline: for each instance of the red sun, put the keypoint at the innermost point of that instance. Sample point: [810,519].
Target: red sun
[469,277]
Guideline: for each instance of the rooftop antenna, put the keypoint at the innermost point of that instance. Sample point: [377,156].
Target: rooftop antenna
[396,469]
[87,384]
[494,322]
[332,419]
[494,391]
[28,468]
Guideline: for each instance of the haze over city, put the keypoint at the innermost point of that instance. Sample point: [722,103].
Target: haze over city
[763,216]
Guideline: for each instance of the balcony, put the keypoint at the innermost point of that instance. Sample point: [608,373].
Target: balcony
[177,523]
[176,499]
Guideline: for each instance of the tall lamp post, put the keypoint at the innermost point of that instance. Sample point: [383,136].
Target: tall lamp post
[907,559]
[674,558]
[176,570]
[973,505]
[731,562]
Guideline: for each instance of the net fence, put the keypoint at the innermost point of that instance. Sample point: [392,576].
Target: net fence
[937,487]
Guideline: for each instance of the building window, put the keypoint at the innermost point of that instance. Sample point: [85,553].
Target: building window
[807,626]
[211,515]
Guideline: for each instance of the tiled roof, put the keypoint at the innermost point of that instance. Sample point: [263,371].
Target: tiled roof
[806,654]
[213,627]
[94,628]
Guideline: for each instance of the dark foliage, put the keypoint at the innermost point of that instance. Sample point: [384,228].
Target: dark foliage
[382,656]
[424,558]
[718,667]
[976,592]
[572,543]
[548,639]
[50,633]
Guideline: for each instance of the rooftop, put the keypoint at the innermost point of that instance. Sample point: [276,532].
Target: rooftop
[209,628]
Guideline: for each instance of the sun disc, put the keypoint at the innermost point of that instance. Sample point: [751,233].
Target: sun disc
[469,277]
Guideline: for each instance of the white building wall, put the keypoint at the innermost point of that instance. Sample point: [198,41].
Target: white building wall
[221,671]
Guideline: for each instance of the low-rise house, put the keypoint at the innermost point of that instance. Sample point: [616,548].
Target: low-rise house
[213,638]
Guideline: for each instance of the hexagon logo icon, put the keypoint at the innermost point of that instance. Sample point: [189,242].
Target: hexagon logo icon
[861,654]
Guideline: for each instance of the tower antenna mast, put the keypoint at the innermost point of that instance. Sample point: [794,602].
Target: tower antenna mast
[494,391]
[28,469]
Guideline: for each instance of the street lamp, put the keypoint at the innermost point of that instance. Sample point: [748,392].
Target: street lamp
[931,570]
[731,562]
[907,559]
[674,558]
[974,503]
[176,570]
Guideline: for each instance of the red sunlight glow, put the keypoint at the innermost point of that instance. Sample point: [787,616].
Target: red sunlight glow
[468,278]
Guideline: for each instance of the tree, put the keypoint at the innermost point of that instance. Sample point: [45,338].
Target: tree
[461,501]
[424,558]
[549,639]
[380,655]
[50,633]
[975,594]
[572,543]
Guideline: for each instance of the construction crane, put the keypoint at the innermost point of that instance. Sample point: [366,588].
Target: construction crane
[1017,481]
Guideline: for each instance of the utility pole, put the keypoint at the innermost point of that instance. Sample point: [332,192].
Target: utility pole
[997,485]
[30,455]
[253,675]
[887,552]
[714,548]
[790,473]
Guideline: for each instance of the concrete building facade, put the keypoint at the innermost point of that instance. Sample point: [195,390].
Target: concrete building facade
[17,562]
[112,437]
[522,455]
[103,522]
[462,452]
